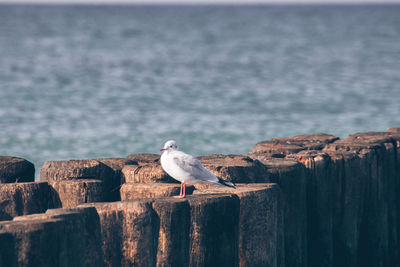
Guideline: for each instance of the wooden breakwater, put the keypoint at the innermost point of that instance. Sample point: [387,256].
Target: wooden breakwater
[310,200]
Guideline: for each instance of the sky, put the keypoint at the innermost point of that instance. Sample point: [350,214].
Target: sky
[199,1]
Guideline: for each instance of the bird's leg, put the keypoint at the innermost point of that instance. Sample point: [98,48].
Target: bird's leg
[182,193]
[184,189]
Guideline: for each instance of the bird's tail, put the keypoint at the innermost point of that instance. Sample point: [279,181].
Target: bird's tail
[226,183]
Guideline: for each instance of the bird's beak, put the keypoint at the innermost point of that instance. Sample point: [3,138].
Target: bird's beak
[162,149]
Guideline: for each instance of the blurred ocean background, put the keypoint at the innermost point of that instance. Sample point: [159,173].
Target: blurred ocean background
[106,81]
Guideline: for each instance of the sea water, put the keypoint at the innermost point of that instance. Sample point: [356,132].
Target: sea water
[81,82]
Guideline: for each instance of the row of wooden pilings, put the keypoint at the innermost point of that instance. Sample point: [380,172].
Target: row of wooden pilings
[309,200]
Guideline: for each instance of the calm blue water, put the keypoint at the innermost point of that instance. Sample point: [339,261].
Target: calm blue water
[82,82]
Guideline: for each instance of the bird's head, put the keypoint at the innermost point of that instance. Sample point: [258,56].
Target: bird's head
[170,145]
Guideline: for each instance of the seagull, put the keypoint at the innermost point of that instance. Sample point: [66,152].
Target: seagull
[186,169]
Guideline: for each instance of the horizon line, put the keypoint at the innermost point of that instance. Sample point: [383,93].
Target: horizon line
[199,2]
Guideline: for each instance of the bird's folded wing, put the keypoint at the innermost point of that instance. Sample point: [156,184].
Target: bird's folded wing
[187,162]
[193,166]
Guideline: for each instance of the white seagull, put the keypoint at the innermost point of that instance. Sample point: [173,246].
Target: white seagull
[186,169]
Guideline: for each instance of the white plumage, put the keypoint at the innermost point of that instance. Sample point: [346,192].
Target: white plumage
[186,168]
